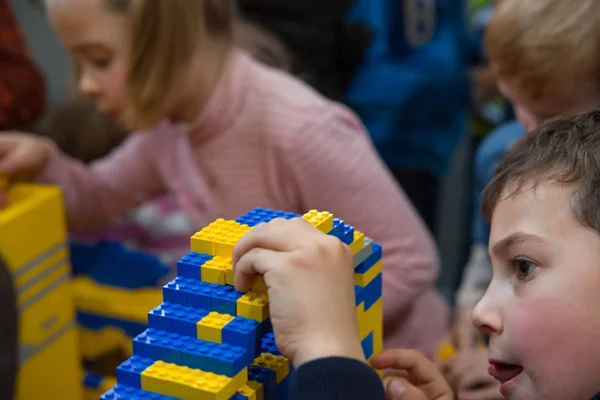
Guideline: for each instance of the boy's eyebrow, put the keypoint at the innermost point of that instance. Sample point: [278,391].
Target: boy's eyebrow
[516,238]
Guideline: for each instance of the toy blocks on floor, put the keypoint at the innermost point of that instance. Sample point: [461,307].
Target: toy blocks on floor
[33,240]
[208,341]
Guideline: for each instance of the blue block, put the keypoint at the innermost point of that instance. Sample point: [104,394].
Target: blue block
[267,378]
[242,332]
[264,328]
[129,373]
[367,345]
[176,318]
[97,322]
[190,292]
[370,293]
[238,396]
[224,300]
[268,344]
[338,229]
[189,266]
[222,359]
[283,389]
[122,392]
[92,381]
[371,260]
[261,215]
[348,234]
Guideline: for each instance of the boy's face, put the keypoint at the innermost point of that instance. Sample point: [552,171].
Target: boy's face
[541,308]
[531,112]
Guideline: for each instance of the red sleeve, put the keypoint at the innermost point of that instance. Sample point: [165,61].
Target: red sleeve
[22,88]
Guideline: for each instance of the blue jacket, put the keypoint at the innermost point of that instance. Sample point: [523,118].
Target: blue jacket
[412,89]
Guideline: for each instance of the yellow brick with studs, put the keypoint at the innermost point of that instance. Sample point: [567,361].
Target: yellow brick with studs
[253,306]
[322,220]
[279,364]
[210,328]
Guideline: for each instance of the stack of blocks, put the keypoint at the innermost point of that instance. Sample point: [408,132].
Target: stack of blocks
[207,341]
[33,243]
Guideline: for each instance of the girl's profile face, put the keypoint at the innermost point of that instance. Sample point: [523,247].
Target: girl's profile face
[98,40]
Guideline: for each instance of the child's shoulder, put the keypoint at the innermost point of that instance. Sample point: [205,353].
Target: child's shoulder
[286,107]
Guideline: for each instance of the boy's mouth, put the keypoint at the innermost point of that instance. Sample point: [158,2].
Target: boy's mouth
[504,372]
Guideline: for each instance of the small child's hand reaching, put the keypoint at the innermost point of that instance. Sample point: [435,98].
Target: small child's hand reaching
[22,156]
[310,280]
[412,376]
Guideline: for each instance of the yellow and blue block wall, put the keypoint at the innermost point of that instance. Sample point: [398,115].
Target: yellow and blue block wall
[208,341]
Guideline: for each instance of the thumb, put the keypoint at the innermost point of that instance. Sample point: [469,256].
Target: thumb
[400,389]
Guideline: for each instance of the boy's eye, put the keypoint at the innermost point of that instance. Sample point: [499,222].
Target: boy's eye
[523,268]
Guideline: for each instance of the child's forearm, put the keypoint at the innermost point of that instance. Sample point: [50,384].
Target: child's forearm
[99,195]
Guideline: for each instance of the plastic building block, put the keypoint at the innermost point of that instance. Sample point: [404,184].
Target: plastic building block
[177,381]
[253,306]
[446,352]
[176,318]
[279,364]
[322,220]
[122,392]
[259,285]
[190,292]
[225,299]
[268,344]
[218,238]
[189,266]
[348,234]
[210,328]
[338,229]
[370,293]
[222,359]
[263,215]
[364,253]
[373,258]
[359,242]
[246,392]
[257,387]
[367,345]
[266,377]
[129,373]
[242,332]
[216,269]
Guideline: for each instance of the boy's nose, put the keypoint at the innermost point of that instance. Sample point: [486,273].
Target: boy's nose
[486,314]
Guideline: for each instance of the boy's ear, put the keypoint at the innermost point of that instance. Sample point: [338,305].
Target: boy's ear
[9,346]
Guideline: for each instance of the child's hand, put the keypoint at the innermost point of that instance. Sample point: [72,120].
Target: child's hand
[470,377]
[22,156]
[414,377]
[310,280]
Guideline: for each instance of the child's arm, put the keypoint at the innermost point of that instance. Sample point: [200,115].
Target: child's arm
[105,191]
[336,168]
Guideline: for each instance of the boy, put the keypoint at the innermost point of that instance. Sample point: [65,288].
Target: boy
[546,69]
[540,310]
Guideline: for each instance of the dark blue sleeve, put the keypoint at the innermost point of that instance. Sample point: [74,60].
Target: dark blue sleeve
[336,378]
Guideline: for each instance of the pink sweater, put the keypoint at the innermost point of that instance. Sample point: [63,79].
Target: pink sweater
[266,139]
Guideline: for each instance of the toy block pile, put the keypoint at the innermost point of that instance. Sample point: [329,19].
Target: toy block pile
[207,341]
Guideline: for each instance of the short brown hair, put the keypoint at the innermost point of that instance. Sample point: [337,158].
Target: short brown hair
[546,44]
[563,150]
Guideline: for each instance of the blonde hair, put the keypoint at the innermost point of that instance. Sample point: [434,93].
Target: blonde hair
[166,34]
[546,44]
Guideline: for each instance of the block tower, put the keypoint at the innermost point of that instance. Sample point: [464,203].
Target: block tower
[207,341]
[33,243]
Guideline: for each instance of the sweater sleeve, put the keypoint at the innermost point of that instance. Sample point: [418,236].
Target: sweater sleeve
[99,194]
[335,378]
[337,169]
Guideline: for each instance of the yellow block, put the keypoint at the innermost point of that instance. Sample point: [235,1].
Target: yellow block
[446,352]
[215,270]
[364,279]
[259,285]
[219,238]
[279,364]
[210,328]
[359,242]
[253,306]
[370,321]
[258,389]
[108,300]
[32,243]
[186,383]
[248,391]
[322,220]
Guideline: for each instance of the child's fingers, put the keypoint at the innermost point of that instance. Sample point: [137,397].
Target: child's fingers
[419,371]
[274,235]
[257,261]
[401,389]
